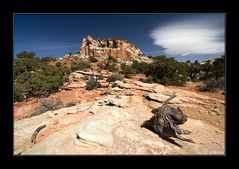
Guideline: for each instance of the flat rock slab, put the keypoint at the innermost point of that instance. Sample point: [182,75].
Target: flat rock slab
[115,130]
[161,98]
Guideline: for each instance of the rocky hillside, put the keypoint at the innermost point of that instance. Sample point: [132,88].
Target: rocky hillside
[121,49]
[107,120]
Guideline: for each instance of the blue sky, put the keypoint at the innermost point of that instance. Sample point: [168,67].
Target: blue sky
[183,36]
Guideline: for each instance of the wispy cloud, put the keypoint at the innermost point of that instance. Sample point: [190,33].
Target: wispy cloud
[191,36]
[153,52]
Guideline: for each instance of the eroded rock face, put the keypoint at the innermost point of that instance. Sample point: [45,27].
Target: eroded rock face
[121,49]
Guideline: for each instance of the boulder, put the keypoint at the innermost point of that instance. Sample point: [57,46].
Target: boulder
[75,77]
[104,84]
[75,85]
[122,85]
[158,97]
[146,85]
[117,89]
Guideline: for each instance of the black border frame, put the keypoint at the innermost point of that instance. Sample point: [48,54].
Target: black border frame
[95,6]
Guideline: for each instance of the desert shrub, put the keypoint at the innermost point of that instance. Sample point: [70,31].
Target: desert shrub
[92,83]
[141,67]
[127,70]
[207,71]
[25,65]
[18,92]
[93,59]
[74,66]
[84,65]
[70,104]
[148,79]
[193,70]
[100,77]
[219,67]
[43,85]
[34,78]
[48,79]
[112,58]
[111,67]
[213,84]
[47,59]
[25,54]
[114,77]
[80,66]
[101,65]
[167,71]
[47,104]
[58,64]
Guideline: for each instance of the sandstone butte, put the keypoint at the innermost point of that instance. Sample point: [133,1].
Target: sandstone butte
[120,49]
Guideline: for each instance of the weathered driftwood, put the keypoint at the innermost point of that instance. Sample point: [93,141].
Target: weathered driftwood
[34,135]
[165,121]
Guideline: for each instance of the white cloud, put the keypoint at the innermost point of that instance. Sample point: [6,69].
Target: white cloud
[190,37]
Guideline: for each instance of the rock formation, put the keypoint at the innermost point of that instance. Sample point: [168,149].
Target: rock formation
[121,49]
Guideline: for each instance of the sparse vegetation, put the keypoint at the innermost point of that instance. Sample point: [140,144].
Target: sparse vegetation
[70,104]
[25,65]
[167,71]
[111,67]
[92,83]
[25,54]
[148,79]
[213,84]
[101,65]
[114,77]
[32,78]
[100,77]
[127,70]
[58,64]
[93,59]
[112,58]
[47,104]
[80,65]
[47,59]
[141,67]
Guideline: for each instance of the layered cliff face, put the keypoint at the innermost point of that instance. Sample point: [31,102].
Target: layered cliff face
[121,49]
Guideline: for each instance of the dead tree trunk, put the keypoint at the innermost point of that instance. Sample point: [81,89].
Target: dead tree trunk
[34,135]
[170,98]
[165,121]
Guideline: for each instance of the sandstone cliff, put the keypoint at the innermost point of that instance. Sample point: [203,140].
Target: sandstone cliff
[121,49]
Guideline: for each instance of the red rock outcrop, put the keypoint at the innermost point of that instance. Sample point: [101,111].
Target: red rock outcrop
[121,49]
